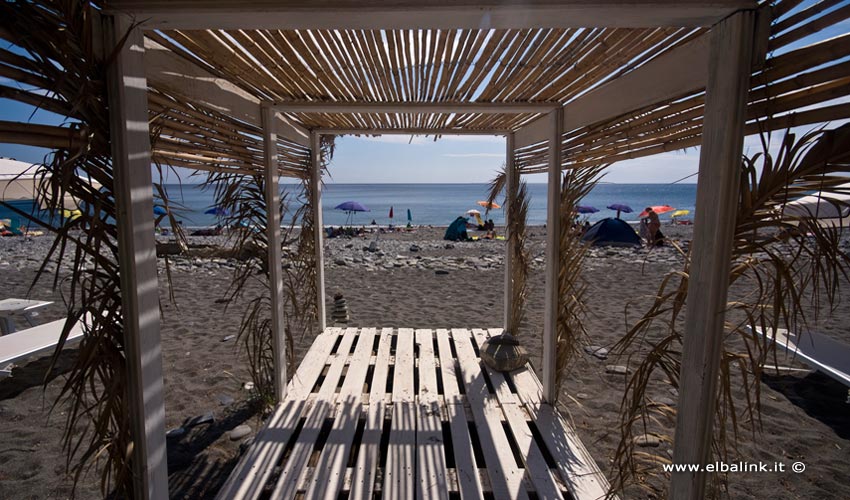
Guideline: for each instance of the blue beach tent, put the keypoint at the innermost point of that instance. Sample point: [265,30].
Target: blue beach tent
[611,232]
[456,230]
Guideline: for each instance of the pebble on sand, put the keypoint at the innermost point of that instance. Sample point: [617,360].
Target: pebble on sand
[239,432]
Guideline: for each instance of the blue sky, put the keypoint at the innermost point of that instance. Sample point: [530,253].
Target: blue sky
[459,159]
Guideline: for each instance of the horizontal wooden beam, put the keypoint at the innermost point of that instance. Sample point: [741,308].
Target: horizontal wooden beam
[680,72]
[484,108]
[410,131]
[168,71]
[415,14]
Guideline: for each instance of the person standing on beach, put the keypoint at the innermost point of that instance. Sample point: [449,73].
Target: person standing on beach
[653,226]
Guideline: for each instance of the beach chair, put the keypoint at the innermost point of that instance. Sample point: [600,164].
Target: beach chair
[819,351]
[34,341]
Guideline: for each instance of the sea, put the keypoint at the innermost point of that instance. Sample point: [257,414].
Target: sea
[429,204]
[440,204]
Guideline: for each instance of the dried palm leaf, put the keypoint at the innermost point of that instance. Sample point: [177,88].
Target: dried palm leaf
[792,265]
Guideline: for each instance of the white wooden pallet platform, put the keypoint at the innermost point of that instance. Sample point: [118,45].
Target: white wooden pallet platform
[402,414]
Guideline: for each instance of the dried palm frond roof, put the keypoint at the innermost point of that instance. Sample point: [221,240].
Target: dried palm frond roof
[208,86]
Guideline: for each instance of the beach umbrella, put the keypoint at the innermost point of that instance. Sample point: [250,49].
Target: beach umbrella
[680,213]
[488,205]
[391,212]
[158,210]
[71,214]
[619,207]
[409,216]
[659,209]
[586,209]
[352,206]
[218,212]
[473,212]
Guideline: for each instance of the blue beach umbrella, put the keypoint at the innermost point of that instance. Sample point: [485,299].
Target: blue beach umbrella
[619,207]
[158,210]
[218,212]
[586,209]
[409,216]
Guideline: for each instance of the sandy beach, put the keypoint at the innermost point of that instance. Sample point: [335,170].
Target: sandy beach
[805,417]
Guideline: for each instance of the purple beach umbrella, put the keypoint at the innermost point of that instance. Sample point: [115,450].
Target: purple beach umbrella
[586,209]
[619,207]
[352,206]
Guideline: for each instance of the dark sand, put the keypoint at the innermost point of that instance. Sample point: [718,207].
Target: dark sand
[805,417]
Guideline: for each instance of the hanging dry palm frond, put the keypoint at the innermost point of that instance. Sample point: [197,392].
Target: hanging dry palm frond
[790,263]
[63,71]
[516,238]
[576,184]
[243,199]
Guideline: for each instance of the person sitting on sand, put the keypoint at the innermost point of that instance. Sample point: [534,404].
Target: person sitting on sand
[652,226]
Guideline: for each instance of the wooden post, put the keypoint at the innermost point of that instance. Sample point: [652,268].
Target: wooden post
[717,201]
[316,187]
[278,322]
[510,199]
[128,125]
[553,238]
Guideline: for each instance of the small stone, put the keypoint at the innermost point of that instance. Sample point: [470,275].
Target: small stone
[449,246]
[239,432]
[248,386]
[206,418]
[339,262]
[225,400]
[441,272]
[414,248]
[229,337]
[616,369]
[175,433]
[581,395]
[647,440]
[597,351]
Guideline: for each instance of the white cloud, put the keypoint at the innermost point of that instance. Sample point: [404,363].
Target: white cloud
[474,155]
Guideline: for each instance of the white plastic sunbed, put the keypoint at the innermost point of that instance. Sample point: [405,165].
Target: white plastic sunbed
[33,341]
[818,351]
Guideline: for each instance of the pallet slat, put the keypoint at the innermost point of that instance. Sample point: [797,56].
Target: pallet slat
[431,479]
[505,477]
[362,483]
[252,472]
[295,468]
[329,476]
[469,482]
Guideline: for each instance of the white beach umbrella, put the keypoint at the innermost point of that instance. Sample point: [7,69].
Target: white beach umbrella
[18,181]
[822,205]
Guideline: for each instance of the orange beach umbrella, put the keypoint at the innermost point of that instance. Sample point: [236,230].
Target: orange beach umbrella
[489,205]
[659,209]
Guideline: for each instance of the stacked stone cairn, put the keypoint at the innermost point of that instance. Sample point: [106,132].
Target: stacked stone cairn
[339,315]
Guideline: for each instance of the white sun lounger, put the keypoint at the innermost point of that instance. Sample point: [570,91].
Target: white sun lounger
[33,341]
[818,351]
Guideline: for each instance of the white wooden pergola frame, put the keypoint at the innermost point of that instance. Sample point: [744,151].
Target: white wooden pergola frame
[732,39]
